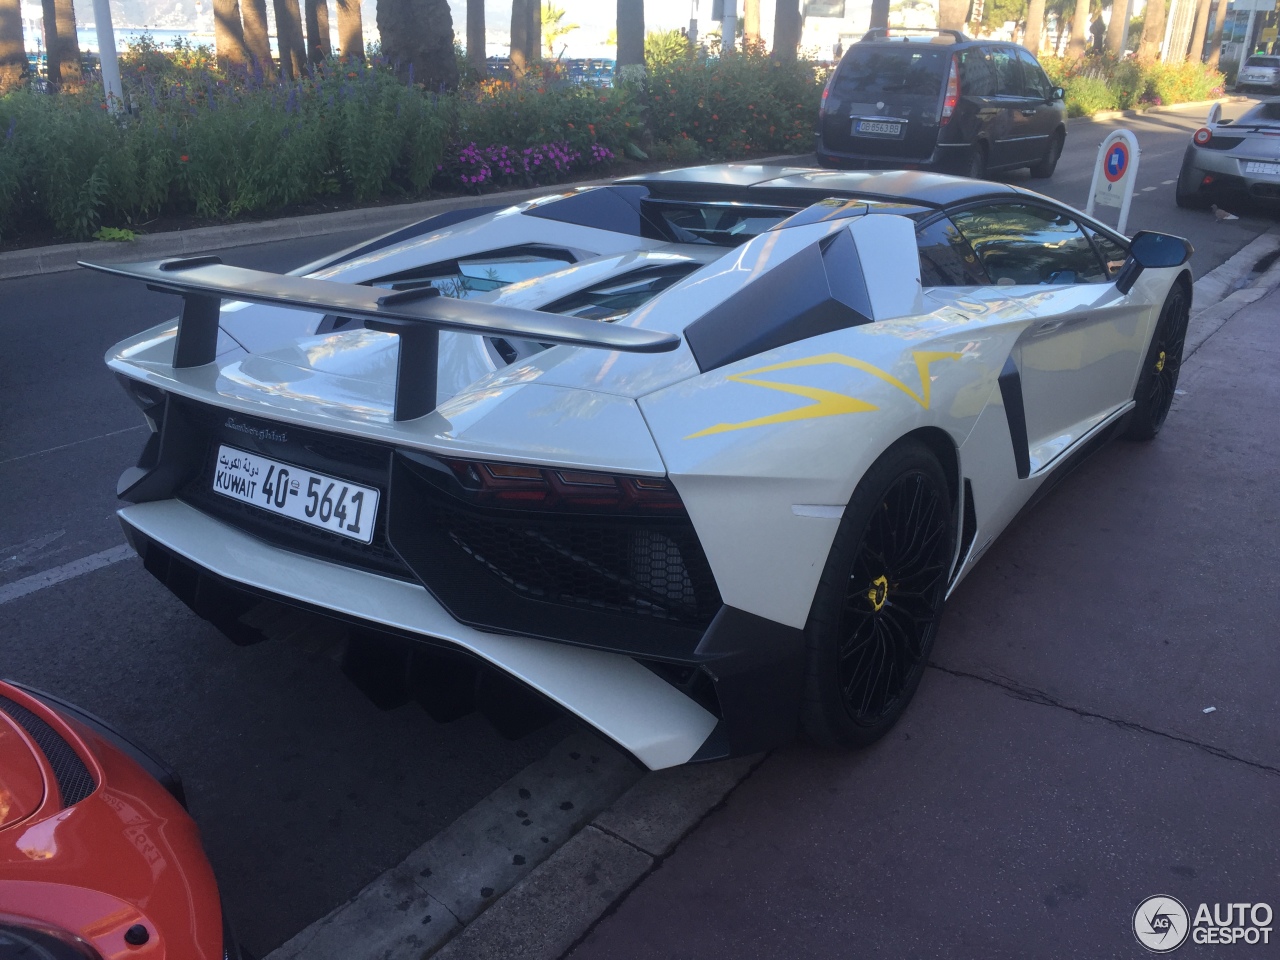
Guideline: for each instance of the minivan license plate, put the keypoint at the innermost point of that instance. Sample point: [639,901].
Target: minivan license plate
[878,127]
[338,506]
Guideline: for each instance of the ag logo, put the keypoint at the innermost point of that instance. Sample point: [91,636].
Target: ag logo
[1161,924]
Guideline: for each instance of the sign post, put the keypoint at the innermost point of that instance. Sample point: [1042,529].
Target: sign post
[1114,175]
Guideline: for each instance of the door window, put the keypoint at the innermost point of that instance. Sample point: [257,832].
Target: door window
[977,73]
[1113,255]
[946,259]
[1034,82]
[1007,72]
[1025,244]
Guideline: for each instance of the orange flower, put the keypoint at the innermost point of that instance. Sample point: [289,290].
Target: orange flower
[184,158]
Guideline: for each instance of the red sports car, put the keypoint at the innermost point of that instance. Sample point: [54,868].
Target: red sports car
[98,857]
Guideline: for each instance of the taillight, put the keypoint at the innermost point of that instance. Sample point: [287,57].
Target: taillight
[553,488]
[952,98]
[1202,136]
[826,92]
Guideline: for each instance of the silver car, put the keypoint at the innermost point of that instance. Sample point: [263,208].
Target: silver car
[1240,157]
[1260,73]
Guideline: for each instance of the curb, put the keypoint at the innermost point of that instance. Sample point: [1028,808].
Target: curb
[1163,108]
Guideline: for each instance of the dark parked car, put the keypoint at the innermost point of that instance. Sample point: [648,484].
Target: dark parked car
[941,101]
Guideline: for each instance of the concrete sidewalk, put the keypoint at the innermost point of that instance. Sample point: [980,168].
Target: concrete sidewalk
[1057,766]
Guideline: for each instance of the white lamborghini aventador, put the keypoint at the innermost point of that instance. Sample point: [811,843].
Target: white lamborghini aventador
[697,455]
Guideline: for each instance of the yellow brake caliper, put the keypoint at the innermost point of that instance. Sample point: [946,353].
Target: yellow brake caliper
[879,592]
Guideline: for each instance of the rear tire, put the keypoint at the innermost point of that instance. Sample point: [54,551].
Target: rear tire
[876,609]
[1159,378]
[1187,192]
[1044,169]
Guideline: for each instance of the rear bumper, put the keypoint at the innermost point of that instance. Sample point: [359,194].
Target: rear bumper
[737,693]
[1228,175]
[945,157]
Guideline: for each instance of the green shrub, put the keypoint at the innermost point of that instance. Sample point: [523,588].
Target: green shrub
[1089,95]
[741,105]
[1100,82]
[665,47]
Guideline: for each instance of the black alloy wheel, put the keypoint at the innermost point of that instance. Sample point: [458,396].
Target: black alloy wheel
[1159,378]
[876,610]
[1049,163]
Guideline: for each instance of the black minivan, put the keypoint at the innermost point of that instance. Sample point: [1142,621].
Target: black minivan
[941,101]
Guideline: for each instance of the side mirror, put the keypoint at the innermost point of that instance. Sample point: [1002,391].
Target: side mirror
[1057,93]
[1149,250]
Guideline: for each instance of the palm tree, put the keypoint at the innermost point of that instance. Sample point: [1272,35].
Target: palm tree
[13,55]
[553,26]
[351,29]
[475,34]
[293,55]
[787,25]
[1079,29]
[417,37]
[1215,45]
[750,23]
[255,36]
[228,34]
[60,42]
[1115,28]
[1153,29]
[1035,25]
[1198,31]
[318,30]
[524,48]
[952,14]
[630,32]
[879,14]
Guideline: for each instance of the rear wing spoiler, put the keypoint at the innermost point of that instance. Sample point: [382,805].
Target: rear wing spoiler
[415,316]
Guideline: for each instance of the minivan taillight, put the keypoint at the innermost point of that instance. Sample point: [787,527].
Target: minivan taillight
[826,91]
[952,98]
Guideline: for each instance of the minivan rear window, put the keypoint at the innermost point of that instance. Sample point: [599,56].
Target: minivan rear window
[874,71]
[1262,62]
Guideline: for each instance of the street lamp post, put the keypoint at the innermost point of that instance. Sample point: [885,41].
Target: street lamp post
[107,54]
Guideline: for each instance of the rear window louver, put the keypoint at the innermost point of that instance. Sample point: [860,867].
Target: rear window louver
[75,782]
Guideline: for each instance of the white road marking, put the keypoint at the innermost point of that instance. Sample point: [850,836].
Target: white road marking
[76,568]
[1147,189]
[73,443]
[1167,182]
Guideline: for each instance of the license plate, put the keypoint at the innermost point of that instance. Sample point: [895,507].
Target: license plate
[877,126]
[338,506]
[1255,167]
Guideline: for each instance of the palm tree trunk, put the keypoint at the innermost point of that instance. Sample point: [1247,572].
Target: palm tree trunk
[350,30]
[1153,29]
[1199,30]
[228,34]
[475,34]
[317,30]
[952,14]
[879,14]
[1079,30]
[417,37]
[1215,44]
[1115,29]
[630,32]
[13,55]
[787,24]
[521,53]
[293,55]
[1035,26]
[60,42]
[255,36]
[750,23]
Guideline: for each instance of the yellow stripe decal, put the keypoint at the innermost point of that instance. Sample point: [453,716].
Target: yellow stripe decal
[827,403]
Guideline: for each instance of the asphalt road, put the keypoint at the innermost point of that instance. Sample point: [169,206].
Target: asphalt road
[303,789]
